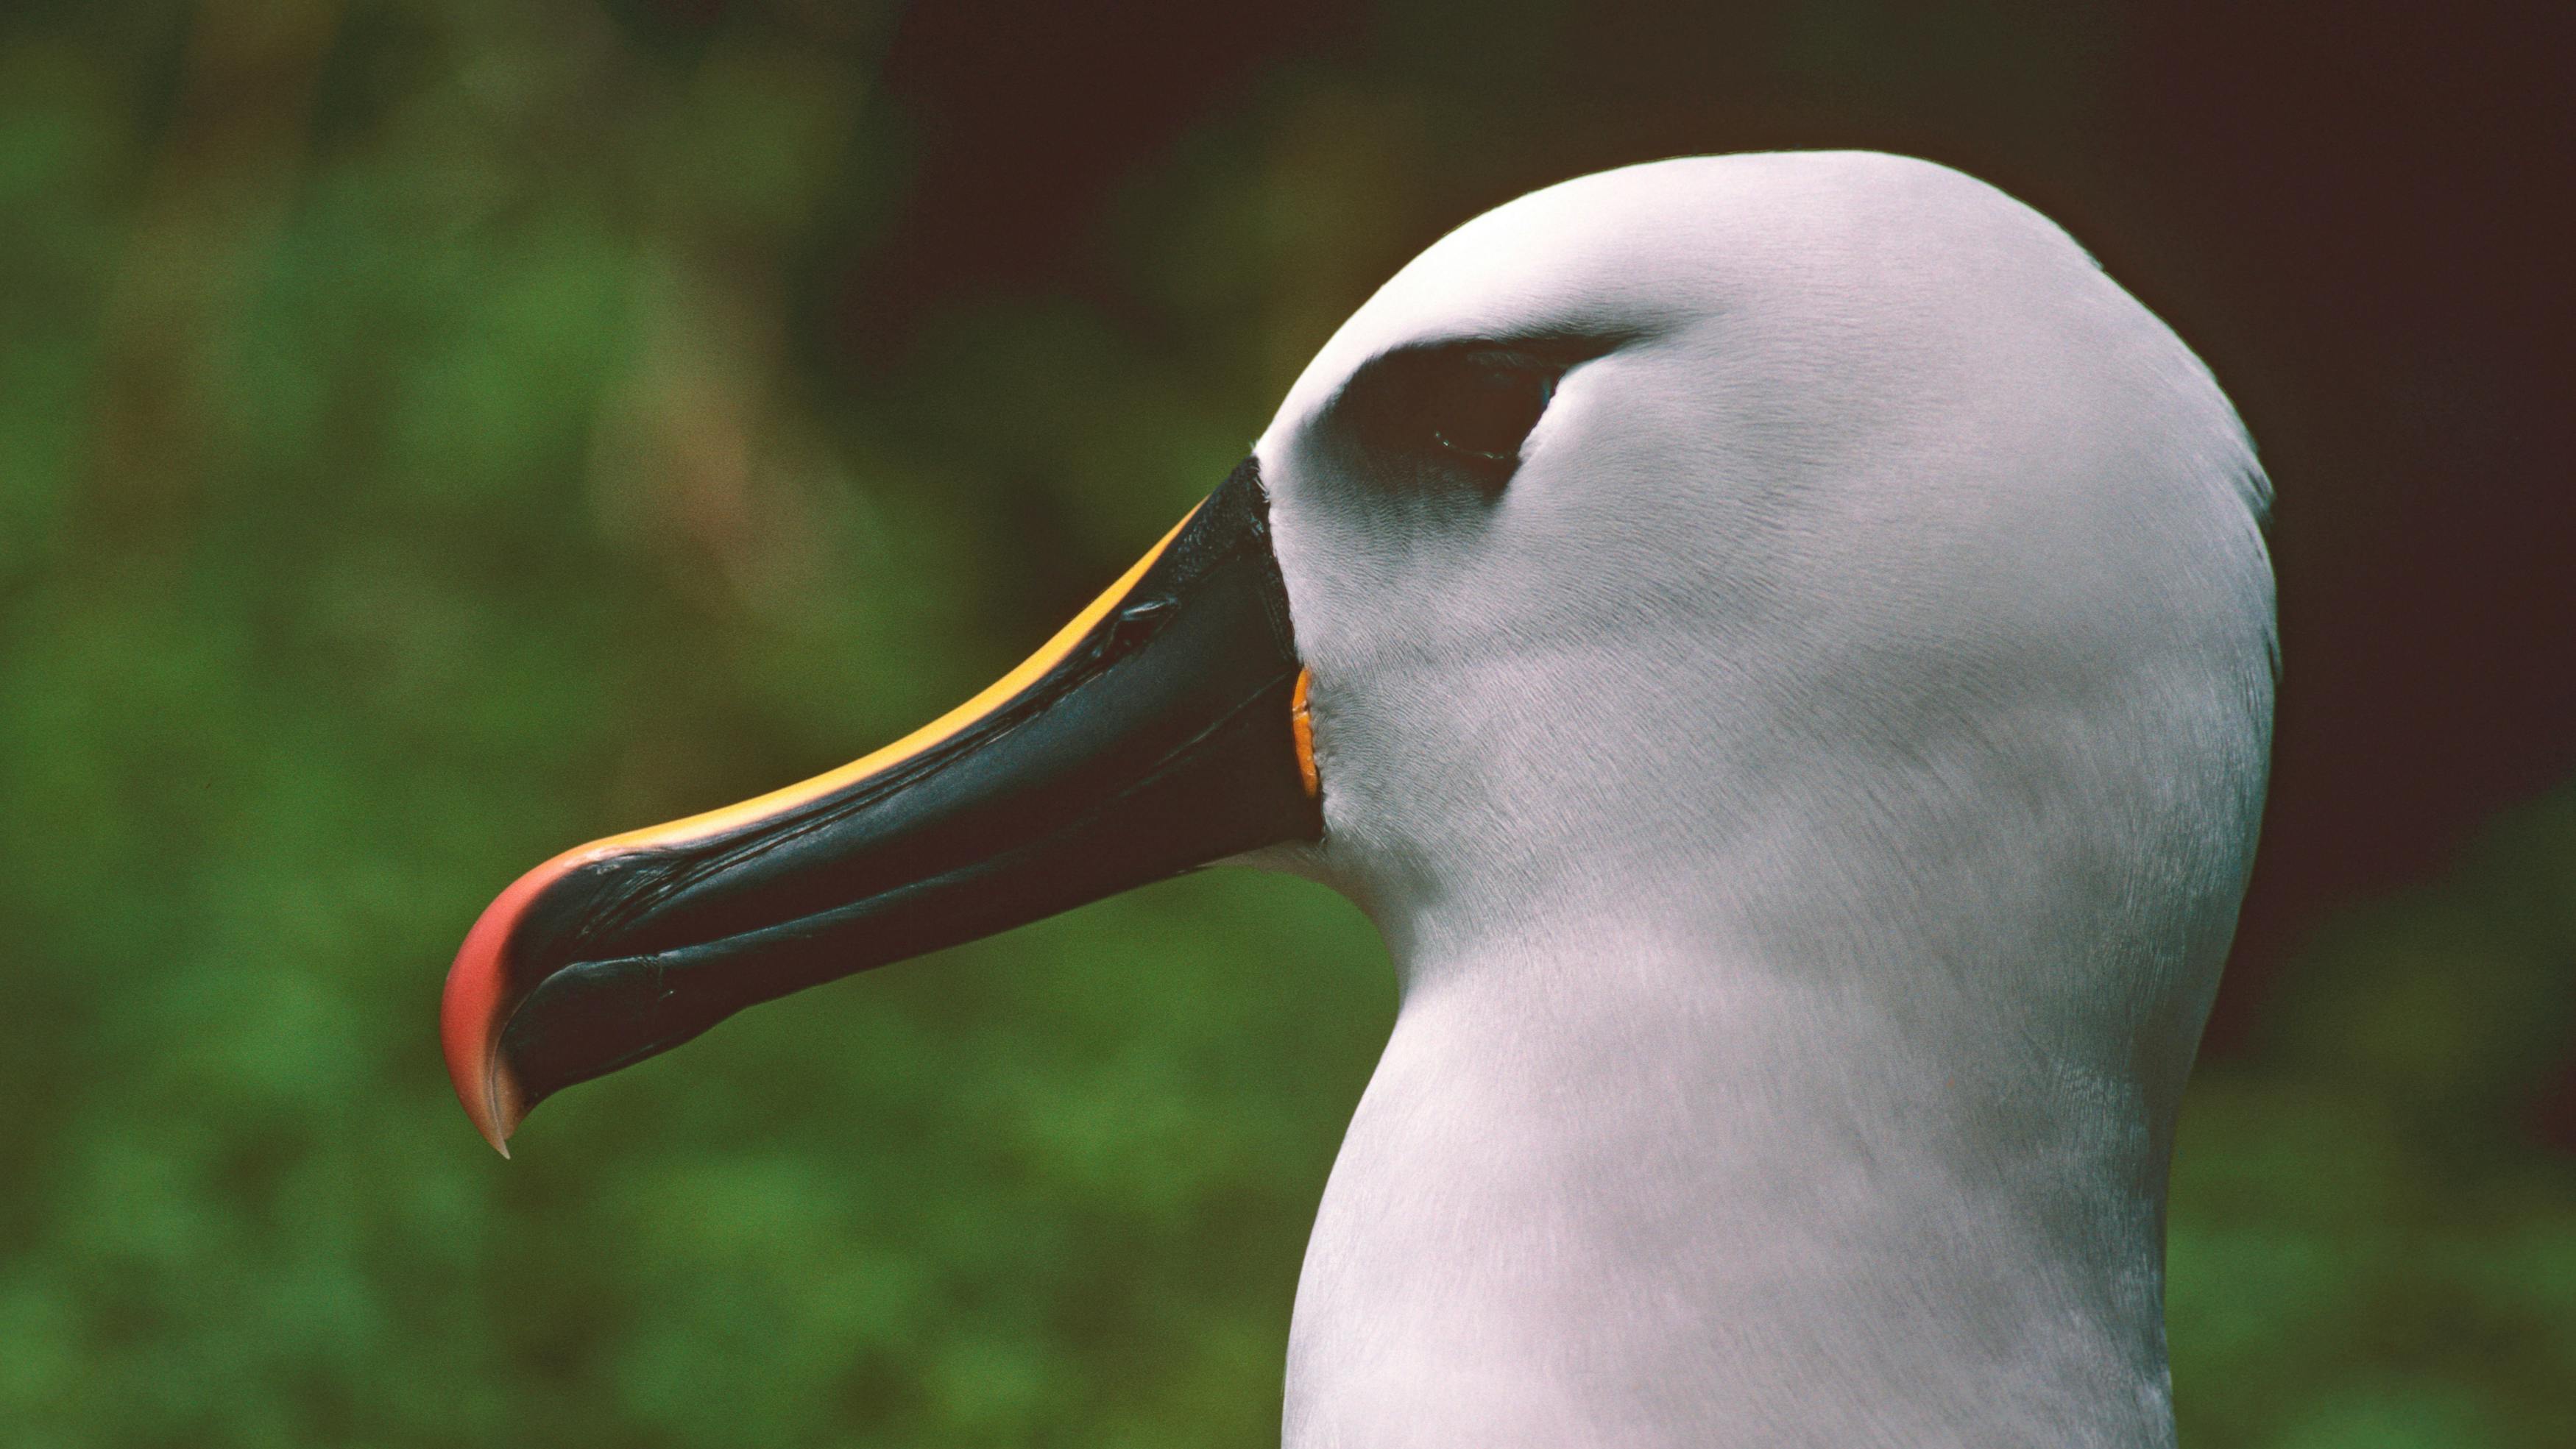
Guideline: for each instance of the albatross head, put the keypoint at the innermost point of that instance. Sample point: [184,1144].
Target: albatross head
[1833,517]
[1782,646]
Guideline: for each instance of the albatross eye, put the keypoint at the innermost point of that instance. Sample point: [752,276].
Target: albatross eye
[1445,414]
[1483,409]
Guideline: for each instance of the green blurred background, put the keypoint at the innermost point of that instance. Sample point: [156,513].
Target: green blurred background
[434,432]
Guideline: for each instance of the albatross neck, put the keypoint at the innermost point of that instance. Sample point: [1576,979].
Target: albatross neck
[1694,1185]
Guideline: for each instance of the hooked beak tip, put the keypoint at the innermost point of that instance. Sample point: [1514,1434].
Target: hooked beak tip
[472,1006]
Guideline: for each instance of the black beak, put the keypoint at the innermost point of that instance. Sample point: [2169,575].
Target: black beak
[1161,730]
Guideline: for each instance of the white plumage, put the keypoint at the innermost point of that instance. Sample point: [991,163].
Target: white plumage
[1808,809]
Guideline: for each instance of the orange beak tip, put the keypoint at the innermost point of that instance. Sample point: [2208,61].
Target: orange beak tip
[472,1008]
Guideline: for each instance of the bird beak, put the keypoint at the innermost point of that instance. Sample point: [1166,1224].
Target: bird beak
[1161,730]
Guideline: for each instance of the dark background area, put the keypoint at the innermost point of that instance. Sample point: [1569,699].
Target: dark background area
[432,434]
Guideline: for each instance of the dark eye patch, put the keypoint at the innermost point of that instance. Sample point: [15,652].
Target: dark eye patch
[1456,409]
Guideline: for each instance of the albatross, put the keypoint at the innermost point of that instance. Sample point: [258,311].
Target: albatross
[1782,648]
